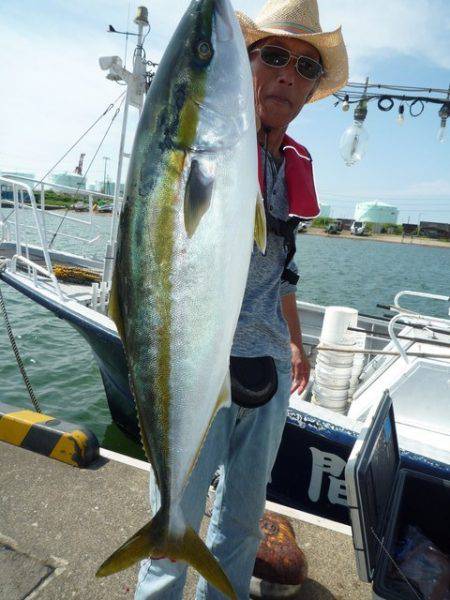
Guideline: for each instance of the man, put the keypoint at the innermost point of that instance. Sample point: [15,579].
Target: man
[292,63]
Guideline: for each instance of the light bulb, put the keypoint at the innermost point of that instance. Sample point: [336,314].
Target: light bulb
[442,131]
[401,118]
[345,104]
[353,144]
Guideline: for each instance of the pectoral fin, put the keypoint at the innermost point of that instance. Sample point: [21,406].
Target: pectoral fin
[197,197]
[224,397]
[260,224]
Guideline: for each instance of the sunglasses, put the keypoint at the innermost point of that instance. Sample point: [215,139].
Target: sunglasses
[275,56]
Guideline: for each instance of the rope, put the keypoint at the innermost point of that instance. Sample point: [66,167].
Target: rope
[329,348]
[9,330]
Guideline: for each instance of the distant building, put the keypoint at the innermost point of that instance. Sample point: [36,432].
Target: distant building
[409,228]
[6,191]
[435,230]
[376,212]
[70,180]
[325,210]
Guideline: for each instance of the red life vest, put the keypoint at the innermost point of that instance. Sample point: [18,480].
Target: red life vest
[301,193]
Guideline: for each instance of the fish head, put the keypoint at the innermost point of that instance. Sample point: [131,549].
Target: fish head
[227,109]
[217,104]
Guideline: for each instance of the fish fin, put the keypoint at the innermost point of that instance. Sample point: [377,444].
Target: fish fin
[197,196]
[224,397]
[260,223]
[114,311]
[196,553]
[150,541]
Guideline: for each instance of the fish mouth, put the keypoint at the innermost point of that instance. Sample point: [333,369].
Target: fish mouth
[224,17]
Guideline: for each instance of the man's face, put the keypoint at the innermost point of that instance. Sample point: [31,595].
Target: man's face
[280,92]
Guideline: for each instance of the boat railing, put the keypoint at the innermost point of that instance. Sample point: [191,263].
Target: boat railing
[23,186]
[13,226]
[411,317]
[428,295]
[33,269]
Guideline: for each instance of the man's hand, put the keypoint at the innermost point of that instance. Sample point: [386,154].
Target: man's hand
[300,369]
[299,360]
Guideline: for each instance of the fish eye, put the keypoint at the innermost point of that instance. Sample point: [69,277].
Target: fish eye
[204,50]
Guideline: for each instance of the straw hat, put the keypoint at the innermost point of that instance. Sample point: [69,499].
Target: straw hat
[300,19]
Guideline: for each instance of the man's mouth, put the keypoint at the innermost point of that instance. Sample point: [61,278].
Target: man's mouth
[279,100]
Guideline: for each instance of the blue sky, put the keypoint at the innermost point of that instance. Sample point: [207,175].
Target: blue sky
[53,89]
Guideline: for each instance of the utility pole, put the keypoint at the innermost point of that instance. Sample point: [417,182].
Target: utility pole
[105,158]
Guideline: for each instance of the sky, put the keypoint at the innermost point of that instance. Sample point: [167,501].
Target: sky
[52,90]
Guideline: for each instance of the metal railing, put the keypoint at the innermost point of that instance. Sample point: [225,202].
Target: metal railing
[13,226]
[411,317]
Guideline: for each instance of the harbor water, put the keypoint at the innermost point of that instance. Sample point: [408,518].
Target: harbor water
[64,375]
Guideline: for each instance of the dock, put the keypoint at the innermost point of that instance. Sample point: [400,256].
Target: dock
[58,523]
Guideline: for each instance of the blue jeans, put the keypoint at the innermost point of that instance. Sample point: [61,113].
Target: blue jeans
[244,444]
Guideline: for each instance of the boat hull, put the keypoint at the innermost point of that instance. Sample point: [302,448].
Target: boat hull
[308,474]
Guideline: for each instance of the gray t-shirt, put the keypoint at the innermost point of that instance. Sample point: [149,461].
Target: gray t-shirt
[262,329]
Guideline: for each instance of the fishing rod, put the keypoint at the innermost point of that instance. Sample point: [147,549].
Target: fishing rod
[418,326]
[400,337]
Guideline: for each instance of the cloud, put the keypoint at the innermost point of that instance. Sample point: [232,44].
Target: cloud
[437,190]
[53,89]
[382,29]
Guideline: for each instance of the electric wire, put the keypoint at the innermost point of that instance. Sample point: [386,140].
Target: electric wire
[105,112]
[400,88]
[89,166]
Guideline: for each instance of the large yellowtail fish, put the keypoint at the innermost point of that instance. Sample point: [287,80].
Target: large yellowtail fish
[185,241]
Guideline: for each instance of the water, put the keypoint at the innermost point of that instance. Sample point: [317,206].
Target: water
[64,374]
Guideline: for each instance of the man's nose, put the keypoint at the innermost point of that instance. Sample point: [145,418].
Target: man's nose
[287,74]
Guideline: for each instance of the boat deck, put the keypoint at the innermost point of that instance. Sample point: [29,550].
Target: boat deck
[8,251]
[62,522]
[79,291]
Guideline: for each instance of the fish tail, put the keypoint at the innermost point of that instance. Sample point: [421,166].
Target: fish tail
[193,551]
[150,542]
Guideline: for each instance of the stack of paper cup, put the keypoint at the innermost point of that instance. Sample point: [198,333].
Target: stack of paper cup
[358,364]
[333,371]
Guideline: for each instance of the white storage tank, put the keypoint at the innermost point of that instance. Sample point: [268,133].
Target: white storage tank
[325,210]
[376,212]
[70,180]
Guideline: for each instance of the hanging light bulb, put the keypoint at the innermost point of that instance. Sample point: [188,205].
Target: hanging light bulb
[354,140]
[442,131]
[345,104]
[401,118]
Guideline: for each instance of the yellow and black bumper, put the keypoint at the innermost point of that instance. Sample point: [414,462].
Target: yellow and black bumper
[57,439]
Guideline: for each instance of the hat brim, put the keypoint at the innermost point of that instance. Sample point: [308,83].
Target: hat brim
[330,45]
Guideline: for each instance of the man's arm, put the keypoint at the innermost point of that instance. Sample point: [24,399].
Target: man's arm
[299,360]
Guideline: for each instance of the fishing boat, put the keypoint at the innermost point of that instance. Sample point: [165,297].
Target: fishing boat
[355,358]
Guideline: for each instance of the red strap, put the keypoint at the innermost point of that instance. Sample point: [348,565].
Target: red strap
[301,191]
